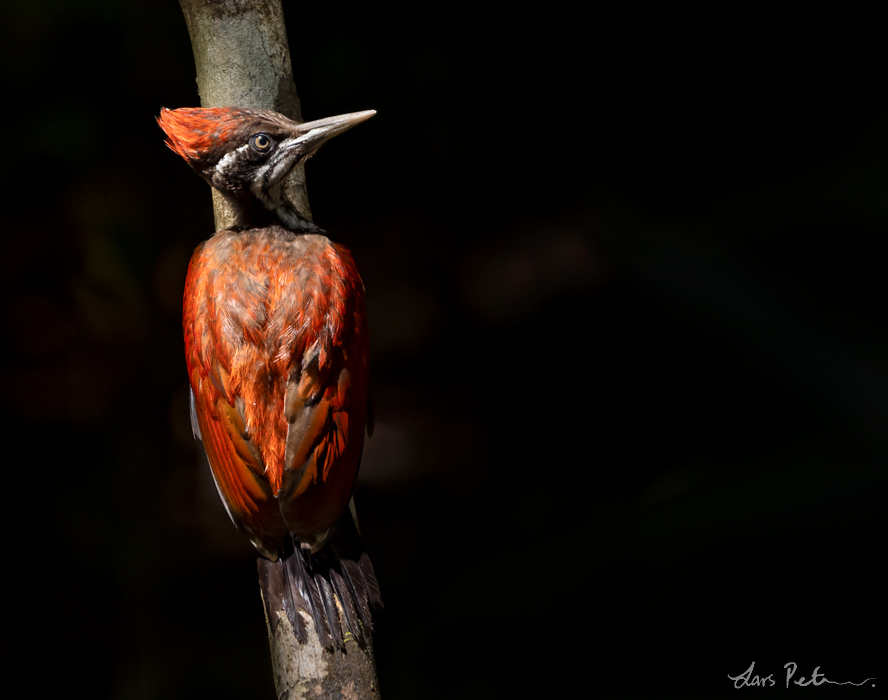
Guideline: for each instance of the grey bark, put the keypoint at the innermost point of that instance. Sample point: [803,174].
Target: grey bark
[243,60]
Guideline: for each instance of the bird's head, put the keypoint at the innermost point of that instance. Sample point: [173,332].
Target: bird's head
[247,153]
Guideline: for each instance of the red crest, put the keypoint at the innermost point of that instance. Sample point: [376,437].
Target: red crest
[194,133]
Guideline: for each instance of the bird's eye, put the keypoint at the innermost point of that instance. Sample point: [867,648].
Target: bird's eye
[260,143]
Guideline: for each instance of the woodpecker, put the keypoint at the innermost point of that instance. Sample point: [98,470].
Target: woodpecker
[277,355]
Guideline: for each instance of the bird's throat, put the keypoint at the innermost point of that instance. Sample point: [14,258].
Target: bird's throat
[293,220]
[277,200]
[244,211]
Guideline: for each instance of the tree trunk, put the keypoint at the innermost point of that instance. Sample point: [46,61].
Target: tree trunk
[243,60]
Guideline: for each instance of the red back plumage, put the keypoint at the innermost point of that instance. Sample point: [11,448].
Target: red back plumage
[276,337]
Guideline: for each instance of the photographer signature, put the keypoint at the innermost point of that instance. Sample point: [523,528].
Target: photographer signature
[748,678]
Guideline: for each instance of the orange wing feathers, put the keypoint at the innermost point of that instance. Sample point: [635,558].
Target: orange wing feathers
[280,402]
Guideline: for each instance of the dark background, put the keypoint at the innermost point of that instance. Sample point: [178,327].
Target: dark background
[630,352]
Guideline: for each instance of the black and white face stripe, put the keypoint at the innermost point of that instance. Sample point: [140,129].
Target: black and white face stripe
[278,164]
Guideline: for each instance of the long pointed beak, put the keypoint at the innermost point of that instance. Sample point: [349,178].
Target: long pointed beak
[304,140]
[313,134]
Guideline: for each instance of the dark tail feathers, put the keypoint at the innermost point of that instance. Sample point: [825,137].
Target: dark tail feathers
[340,572]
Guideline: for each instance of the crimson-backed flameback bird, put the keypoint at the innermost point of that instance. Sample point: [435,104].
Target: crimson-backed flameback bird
[276,350]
